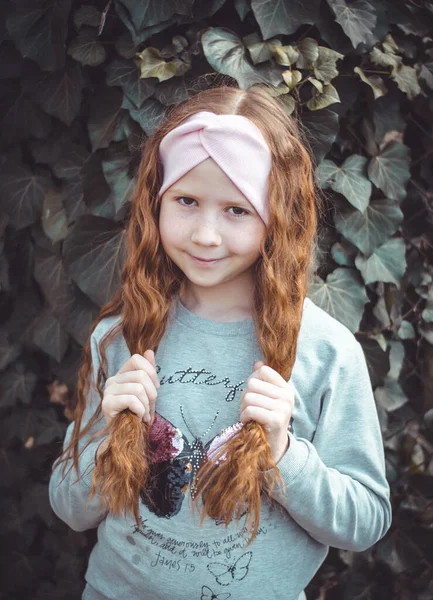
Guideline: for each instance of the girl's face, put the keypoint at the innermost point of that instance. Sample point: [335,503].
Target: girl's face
[205,216]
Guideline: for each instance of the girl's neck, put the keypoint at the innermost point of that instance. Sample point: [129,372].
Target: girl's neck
[225,303]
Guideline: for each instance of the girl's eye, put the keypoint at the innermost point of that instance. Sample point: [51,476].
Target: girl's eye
[184,198]
[238,214]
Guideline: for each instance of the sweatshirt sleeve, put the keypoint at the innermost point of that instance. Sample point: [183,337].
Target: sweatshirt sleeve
[336,485]
[69,498]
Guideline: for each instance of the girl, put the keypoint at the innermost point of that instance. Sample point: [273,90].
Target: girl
[211,377]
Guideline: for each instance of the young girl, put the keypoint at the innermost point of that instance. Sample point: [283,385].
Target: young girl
[212,377]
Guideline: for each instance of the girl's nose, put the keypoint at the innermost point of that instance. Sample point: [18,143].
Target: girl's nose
[206,234]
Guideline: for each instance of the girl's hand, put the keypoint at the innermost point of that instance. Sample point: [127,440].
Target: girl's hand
[269,400]
[134,386]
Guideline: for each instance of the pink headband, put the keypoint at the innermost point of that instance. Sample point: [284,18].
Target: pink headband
[234,142]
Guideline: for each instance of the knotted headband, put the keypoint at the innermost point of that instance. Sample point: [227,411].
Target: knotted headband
[234,142]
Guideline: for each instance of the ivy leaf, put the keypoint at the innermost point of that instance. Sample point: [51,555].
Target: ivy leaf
[153,65]
[369,230]
[87,15]
[406,79]
[146,13]
[324,99]
[357,20]
[321,128]
[115,167]
[242,7]
[172,91]
[16,384]
[39,30]
[308,49]
[342,296]
[59,93]
[94,254]
[148,116]
[325,66]
[385,59]
[389,170]
[285,55]
[54,222]
[86,49]
[226,53]
[73,309]
[406,331]
[387,263]
[279,16]
[349,180]
[375,82]
[20,118]
[259,50]
[22,192]
[426,69]
[291,78]
[126,74]
[106,118]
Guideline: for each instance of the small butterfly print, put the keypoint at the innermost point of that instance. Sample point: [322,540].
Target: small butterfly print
[208,594]
[226,574]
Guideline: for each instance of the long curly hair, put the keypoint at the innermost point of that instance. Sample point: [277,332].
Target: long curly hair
[149,283]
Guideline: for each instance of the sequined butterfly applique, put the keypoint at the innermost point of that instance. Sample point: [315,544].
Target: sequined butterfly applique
[175,461]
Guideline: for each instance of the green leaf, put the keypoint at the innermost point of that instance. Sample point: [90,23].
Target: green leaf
[406,79]
[369,230]
[59,93]
[73,309]
[146,13]
[87,15]
[427,313]
[322,100]
[172,91]
[39,30]
[86,49]
[226,53]
[343,253]
[343,296]
[20,118]
[349,180]
[94,254]
[259,50]
[406,331]
[285,55]
[54,222]
[325,65]
[391,396]
[148,116]
[357,19]
[389,170]
[126,74]
[291,78]
[384,59]
[387,263]
[308,52]
[152,65]
[321,128]
[16,385]
[375,82]
[22,192]
[106,118]
[426,69]
[115,167]
[242,7]
[279,16]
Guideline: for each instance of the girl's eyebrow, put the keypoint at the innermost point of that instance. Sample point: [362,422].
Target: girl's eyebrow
[190,195]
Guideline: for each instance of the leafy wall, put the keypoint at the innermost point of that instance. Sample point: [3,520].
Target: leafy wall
[81,84]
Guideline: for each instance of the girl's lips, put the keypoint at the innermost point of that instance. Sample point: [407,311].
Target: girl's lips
[204,263]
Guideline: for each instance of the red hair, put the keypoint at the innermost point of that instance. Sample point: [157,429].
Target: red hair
[149,282]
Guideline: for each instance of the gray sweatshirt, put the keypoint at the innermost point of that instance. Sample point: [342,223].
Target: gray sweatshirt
[334,471]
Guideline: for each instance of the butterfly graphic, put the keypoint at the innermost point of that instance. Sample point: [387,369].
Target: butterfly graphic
[208,594]
[226,574]
[175,461]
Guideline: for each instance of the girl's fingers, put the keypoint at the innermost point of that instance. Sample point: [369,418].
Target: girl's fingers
[259,414]
[263,387]
[138,363]
[122,401]
[266,373]
[253,399]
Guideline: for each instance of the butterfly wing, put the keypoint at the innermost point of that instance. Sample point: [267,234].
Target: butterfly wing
[241,566]
[221,572]
[169,474]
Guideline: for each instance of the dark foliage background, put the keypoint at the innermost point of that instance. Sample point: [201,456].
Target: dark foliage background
[82,82]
